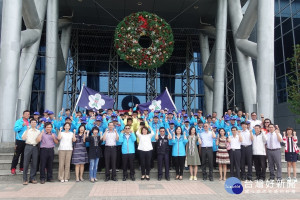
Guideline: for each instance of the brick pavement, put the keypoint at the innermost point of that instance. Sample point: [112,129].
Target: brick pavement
[148,190]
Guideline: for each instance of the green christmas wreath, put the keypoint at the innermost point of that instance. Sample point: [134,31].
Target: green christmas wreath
[140,25]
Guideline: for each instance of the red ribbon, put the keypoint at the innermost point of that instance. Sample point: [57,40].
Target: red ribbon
[142,19]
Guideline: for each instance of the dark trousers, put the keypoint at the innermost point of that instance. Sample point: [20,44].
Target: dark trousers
[207,153]
[128,160]
[145,158]
[171,161]
[154,154]
[179,164]
[260,166]
[246,158]
[110,160]
[235,163]
[215,159]
[102,163]
[19,150]
[46,160]
[119,157]
[163,158]
[30,152]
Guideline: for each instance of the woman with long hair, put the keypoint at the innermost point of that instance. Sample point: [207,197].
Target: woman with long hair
[79,156]
[222,156]
[291,151]
[193,159]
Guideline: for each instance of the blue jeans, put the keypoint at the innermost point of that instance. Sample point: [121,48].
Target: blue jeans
[93,167]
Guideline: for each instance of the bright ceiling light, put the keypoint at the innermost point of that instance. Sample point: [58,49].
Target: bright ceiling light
[139,3]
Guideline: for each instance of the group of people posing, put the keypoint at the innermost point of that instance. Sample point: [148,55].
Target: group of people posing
[173,139]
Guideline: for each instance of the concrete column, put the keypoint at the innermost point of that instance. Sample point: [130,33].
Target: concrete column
[204,48]
[28,60]
[65,44]
[220,67]
[51,55]
[265,60]
[9,66]
[246,72]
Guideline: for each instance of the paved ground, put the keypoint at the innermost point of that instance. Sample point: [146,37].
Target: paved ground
[147,190]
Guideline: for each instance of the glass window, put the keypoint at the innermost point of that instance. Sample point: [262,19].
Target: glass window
[279,70]
[288,45]
[286,25]
[281,96]
[278,51]
[281,84]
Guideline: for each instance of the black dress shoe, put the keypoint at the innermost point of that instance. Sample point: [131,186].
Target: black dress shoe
[115,179]
[50,180]
[142,178]
[211,179]
[168,178]
[133,178]
[148,179]
[124,178]
[106,179]
[204,178]
[42,181]
[159,179]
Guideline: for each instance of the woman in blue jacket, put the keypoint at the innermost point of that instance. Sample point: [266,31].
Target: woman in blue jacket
[127,140]
[178,151]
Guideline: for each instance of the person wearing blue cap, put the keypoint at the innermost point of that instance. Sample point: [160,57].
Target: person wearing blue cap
[20,127]
[45,114]
[186,127]
[171,130]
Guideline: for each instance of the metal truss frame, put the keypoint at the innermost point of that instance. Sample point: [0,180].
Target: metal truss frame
[188,78]
[113,76]
[229,80]
[151,77]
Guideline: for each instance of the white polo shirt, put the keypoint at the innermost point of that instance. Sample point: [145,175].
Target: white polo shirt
[246,137]
[235,142]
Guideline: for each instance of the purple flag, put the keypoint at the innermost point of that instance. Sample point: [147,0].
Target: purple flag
[90,99]
[161,102]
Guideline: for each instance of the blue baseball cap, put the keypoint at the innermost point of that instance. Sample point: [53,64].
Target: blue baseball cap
[98,118]
[156,111]
[36,113]
[115,119]
[195,114]
[185,115]
[114,115]
[248,122]
[46,111]
[172,122]
[213,126]
[43,119]
[170,113]
[226,117]
[208,116]
[232,118]
[238,119]
[186,121]
[83,118]
[183,110]
[50,112]
[155,116]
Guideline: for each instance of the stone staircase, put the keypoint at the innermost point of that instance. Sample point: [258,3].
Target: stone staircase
[7,154]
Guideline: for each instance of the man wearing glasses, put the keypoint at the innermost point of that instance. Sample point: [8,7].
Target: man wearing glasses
[254,121]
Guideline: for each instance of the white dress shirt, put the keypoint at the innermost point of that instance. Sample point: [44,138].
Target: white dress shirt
[259,144]
[207,139]
[111,138]
[254,122]
[32,134]
[235,142]
[272,141]
[246,137]
[145,143]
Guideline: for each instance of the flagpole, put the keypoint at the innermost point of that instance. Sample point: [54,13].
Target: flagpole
[78,99]
[171,98]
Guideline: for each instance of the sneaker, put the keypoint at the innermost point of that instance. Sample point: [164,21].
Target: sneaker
[62,181]
[21,169]
[191,178]
[25,183]
[33,181]
[13,171]
[295,180]
[195,178]
[288,178]
[66,180]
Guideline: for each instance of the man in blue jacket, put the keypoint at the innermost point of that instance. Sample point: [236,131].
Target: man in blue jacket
[20,127]
[128,139]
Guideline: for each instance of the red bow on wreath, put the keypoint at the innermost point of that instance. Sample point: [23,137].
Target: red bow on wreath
[145,23]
